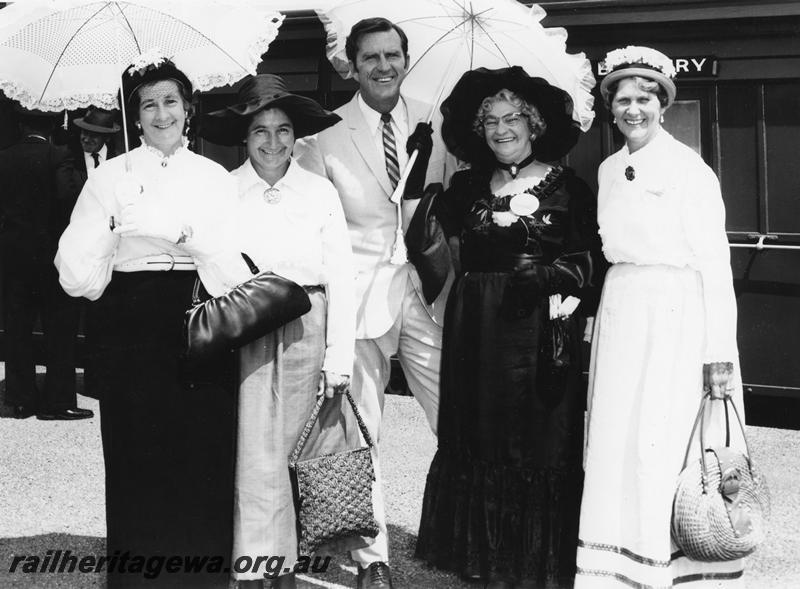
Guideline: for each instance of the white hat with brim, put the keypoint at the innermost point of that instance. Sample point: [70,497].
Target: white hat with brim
[636,69]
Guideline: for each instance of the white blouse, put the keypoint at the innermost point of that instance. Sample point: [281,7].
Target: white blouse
[189,188]
[303,236]
[671,212]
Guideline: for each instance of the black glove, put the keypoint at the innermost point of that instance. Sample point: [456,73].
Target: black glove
[421,140]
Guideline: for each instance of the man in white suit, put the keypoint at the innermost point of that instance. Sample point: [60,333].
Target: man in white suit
[393,317]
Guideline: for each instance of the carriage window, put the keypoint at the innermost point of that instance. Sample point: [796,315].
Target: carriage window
[683,121]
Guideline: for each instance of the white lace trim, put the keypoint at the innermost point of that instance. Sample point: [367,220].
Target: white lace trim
[254,53]
[12,90]
[160,154]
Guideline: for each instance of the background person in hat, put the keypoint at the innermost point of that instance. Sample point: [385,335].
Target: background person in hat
[289,221]
[93,145]
[665,332]
[97,130]
[32,217]
[136,242]
[503,491]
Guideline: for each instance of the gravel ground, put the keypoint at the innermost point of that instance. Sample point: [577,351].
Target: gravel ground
[51,497]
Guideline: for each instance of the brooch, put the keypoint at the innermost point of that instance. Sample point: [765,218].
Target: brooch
[272,196]
[630,173]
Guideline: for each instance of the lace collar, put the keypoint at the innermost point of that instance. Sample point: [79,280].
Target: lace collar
[160,154]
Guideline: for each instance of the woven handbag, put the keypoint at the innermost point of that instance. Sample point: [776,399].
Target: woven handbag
[333,493]
[722,502]
[246,312]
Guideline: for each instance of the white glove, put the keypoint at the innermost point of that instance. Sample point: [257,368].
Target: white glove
[142,219]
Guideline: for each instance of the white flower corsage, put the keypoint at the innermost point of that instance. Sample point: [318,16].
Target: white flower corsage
[633,54]
[521,205]
[150,58]
[504,218]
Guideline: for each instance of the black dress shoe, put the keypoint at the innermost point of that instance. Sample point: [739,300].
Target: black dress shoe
[377,575]
[21,411]
[65,414]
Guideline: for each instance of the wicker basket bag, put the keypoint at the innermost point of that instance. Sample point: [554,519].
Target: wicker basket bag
[722,502]
[333,493]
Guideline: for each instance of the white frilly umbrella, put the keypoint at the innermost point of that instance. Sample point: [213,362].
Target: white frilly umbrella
[68,54]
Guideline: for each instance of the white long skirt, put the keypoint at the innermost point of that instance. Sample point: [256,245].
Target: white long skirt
[645,387]
[280,375]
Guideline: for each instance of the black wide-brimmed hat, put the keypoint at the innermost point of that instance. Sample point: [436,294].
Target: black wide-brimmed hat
[148,69]
[228,126]
[98,120]
[460,108]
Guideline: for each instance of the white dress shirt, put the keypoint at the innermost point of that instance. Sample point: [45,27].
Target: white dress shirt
[302,236]
[399,126]
[102,153]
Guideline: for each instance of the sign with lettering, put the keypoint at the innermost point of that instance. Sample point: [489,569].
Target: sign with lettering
[685,67]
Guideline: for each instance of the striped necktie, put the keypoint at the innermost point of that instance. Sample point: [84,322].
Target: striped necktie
[96,158]
[390,150]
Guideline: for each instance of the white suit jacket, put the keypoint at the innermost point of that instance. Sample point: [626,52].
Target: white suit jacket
[346,154]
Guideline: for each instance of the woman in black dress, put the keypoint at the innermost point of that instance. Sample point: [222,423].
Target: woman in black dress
[503,492]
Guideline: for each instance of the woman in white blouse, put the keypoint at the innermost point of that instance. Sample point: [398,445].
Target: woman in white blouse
[143,228]
[665,332]
[289,221]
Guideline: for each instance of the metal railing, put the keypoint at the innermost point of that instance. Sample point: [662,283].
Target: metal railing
[760,245]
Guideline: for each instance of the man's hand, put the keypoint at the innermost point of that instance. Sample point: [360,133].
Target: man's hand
[332,383]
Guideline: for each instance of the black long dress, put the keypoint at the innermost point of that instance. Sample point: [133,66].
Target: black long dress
[168,438]
[503,492]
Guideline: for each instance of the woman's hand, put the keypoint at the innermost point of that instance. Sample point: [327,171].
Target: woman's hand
[332,383]
[140,219]
[718,379]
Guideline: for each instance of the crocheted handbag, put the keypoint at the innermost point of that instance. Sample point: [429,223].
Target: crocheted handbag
[333,493]
[722,502]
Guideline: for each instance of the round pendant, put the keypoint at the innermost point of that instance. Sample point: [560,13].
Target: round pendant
[272,196]
[523,204]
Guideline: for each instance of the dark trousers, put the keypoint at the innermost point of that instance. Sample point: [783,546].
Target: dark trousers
[32,290]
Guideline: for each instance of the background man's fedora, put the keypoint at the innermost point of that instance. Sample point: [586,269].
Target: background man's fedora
[98,120]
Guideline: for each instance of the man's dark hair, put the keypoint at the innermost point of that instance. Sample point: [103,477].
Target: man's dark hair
[371,25]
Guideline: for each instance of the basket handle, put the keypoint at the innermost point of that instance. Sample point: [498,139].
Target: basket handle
[312,419]
[702,417]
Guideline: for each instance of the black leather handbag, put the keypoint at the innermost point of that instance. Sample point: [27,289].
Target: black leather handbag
[427,246]
[249,311]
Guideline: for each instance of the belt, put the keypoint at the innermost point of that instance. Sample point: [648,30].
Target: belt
[158,262]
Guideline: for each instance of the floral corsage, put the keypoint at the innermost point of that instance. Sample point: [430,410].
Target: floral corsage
[150,59]
[508,209]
